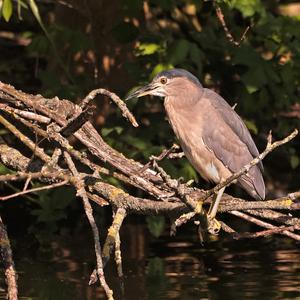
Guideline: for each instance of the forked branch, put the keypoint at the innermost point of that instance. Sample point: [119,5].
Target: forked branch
[53,120]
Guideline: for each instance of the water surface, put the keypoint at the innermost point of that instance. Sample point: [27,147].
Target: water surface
[165,268]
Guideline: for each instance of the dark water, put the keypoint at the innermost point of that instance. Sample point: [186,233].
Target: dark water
[167,268]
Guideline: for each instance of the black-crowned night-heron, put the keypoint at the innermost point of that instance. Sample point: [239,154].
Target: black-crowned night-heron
[212,135]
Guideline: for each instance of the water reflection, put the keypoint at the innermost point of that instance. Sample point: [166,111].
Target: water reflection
[168,268]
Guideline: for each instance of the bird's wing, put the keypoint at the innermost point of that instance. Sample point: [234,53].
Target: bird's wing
[232,143]
[233,120]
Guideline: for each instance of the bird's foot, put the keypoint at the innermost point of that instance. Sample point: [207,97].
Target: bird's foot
[213,225]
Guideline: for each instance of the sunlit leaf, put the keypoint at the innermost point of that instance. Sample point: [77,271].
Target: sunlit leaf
[36,13]
[7,9]
[247,7]
[148,48]
[160,67]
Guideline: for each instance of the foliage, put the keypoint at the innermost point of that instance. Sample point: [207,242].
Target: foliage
[50,208]
[156,225]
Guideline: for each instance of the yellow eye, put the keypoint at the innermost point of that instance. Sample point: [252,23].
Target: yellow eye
[163,80]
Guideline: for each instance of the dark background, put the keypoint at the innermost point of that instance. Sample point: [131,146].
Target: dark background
[67,48]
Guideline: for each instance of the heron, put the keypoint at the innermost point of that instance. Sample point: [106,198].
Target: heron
[212,135]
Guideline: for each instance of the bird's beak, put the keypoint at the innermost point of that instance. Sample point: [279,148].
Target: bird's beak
[143,91]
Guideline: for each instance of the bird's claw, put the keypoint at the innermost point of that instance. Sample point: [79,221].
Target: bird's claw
[213,225]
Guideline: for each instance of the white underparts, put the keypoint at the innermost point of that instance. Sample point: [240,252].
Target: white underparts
[213,172]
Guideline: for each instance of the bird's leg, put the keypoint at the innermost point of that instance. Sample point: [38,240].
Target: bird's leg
[214,225]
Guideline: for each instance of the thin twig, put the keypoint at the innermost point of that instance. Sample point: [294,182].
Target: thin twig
[278,217]
[9,266]
[263,233]
[39,152]
[181,189]
[23,175]
[81,192]
[264,224]
[42,188]
[25,114]
[125,112]
[228,34]
[269,148]
[53,133]
[118,260]
[227,228]
[161,156]
[27,183]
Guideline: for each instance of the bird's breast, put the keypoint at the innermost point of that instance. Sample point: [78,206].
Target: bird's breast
[188,127]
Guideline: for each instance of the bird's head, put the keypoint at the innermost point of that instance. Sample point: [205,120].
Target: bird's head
[168,83]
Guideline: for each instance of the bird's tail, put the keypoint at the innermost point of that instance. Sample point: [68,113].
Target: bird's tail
[253,183]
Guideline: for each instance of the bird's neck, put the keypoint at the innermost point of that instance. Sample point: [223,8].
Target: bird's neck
[181,102]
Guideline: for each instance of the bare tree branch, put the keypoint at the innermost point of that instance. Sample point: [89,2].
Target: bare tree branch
[81,192]
[51,119]
[126,113]
[9,266]
[228,34]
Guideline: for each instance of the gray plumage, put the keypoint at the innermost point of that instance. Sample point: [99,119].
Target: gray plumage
[213,137]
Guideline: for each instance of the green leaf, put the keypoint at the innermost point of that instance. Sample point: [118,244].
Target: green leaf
[156,225]
[294,161]
[107,131]
[4,170]
[188,172]
[7,9]
[254,79]
[36,13]
[251,126]
[247,56]
[196,56]
[248,7]
[148,48]
[160,67]
[271,73]
[179,51]
[138,143]
[155,268]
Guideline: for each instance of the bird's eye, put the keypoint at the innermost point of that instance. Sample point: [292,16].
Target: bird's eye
[163,80]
